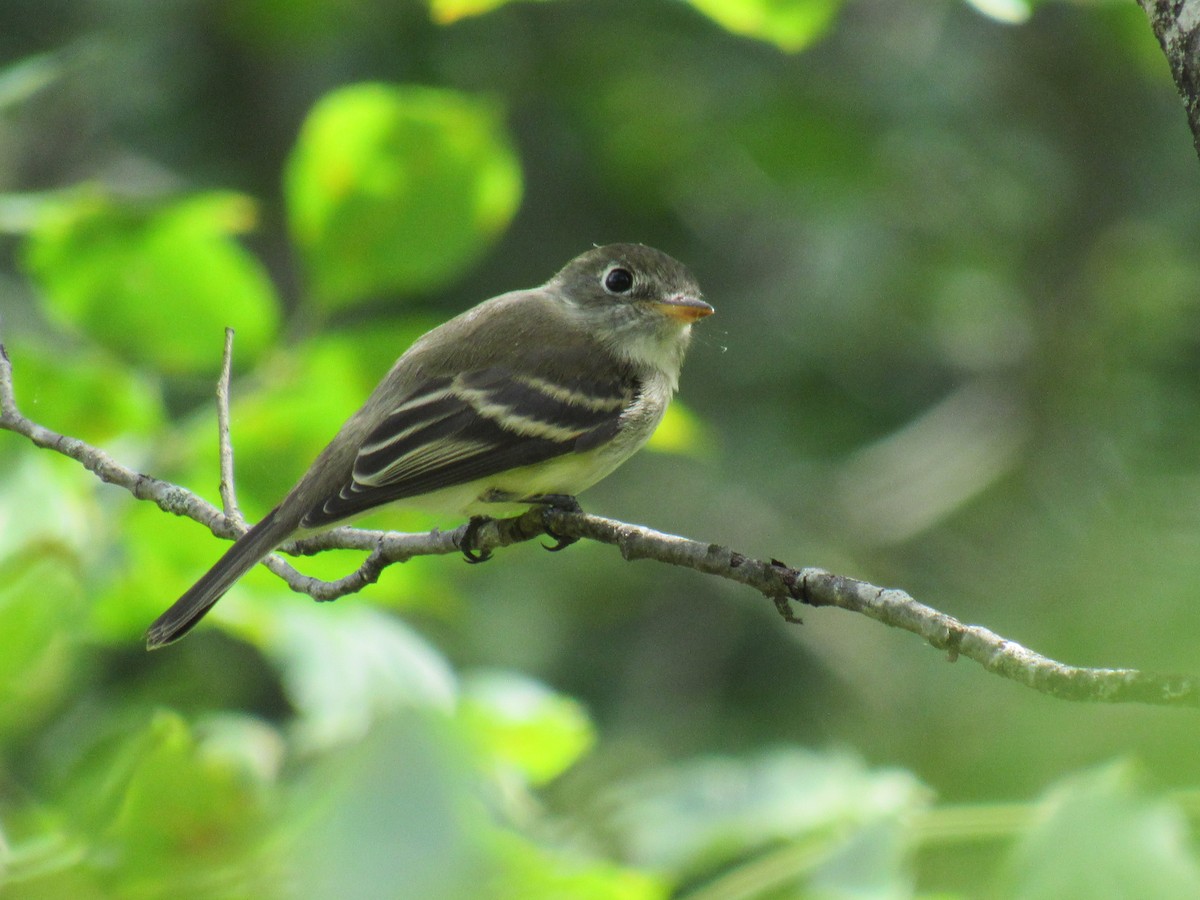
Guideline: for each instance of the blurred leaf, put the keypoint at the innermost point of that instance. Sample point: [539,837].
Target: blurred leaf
[523,726]
[166,814]
[393,815]
[371,348]
[345,666]
[397,188]
[42,607]
[445,12]
[49,501]
[1101,835]
[157,559]
[398,814]
[529,871]
[48,861]
[243,743]
[22,79]
[700,815]
[20,213]
[681,431]
[157,284]
[790,25]
[874,860]
[83,393]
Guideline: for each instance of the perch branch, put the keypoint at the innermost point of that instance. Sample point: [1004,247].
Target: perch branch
[782,584]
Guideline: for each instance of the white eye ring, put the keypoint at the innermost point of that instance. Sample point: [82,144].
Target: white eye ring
[617,280]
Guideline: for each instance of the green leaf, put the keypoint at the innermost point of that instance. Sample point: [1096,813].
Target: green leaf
[21,80]
[49,501]
[791,25]
[393,188]
[168,812]
[346,665]
[41,851]
[445,12]
[395,814]
[83,393]
[1101,834]
[529,871]
[700,815]
[681,431]
[523,726]
[157,284]
[399,814]
[41,605]
[157,559]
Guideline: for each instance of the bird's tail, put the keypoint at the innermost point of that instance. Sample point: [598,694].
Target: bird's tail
[246,552]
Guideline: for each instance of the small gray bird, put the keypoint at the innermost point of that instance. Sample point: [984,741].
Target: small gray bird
[528,398]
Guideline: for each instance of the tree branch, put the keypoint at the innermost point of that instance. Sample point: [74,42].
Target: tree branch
[1176,24]
[228,494]
[780,583]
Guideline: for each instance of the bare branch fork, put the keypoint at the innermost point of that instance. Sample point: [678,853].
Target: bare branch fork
[782,584]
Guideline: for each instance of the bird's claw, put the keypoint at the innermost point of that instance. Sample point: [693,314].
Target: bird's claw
[561,542]
[566,503]
[468,542]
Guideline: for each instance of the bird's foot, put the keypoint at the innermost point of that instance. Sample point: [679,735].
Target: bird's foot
[564,502]
[469,542]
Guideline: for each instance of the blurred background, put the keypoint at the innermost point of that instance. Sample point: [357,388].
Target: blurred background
[952,249]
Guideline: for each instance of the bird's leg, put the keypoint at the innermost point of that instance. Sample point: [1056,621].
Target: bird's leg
[564,502]
[467,544]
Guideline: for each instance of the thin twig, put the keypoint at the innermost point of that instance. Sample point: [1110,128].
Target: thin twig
[781,583]
[228,494]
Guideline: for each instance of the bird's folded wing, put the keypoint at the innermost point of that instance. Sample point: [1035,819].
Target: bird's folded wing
[451,431]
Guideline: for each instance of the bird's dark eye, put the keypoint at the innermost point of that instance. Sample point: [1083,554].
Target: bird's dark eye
[618,281]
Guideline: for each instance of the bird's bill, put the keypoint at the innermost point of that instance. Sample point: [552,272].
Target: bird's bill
[684,308]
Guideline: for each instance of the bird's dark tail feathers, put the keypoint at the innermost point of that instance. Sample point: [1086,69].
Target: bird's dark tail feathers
[243,556]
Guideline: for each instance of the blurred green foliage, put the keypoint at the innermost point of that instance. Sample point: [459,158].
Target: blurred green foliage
[120,275]
[397,189]
[958,296]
